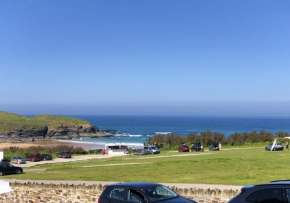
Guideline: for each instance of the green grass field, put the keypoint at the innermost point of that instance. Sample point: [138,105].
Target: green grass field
[230,167]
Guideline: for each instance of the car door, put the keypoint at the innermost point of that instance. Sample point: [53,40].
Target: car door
[11,169]
[7,169]
[135,196]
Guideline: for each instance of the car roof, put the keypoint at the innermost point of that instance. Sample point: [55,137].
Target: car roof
[138,185]
[277,182]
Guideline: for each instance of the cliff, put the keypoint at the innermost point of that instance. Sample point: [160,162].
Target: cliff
[15,128]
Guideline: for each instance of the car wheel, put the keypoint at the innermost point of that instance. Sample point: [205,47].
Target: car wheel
[18,172]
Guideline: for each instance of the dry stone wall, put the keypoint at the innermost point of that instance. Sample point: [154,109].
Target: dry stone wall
[59,193]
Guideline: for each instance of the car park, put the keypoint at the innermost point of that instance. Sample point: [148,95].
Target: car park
[183,148]
[272,192]
[197,147]
[278,146]
[213,147]
[142,152]
[140,192]
[7,169]
[46,157]
[33,157]
[18,160]
[154,149]
[64,154]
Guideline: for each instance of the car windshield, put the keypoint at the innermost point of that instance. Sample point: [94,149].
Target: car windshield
[157,193]
[153,147]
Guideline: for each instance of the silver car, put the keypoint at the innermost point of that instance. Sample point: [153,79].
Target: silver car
[18,159]
[142,152]
[154,149]
[278,146]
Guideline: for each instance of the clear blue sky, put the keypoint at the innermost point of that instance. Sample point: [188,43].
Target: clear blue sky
[153,57]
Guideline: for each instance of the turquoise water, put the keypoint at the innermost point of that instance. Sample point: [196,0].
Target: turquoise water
[137,129]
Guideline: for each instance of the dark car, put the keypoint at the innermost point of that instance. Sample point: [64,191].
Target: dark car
[33,157]
[278,146]
[46,157]
[64,154]
[273,192]
[141,193]
[6,169]
[183,148]
[197,147]
[142,152]
[214,147]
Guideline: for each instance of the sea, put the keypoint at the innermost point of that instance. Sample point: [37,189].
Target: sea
[137,129]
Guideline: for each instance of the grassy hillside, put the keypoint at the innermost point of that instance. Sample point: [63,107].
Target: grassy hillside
[9,121]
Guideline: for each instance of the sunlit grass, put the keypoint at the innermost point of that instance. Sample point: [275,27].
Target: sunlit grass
[230,167]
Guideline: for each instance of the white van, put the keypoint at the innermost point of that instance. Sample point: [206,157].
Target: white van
[154,149]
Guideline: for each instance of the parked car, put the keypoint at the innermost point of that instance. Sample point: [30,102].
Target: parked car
[64,154]
[273,192]
[46,157]
[154,149]
[214,147]
[16,159]
[197,147]
[141,193]
[142,152]
[33,157]
[183,148]
[6,169]
[278,146]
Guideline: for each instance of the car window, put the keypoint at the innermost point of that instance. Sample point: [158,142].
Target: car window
[145,147]
[135,196]
[117,193]
[253,197]
[158,193]
[288,195]
[272,195]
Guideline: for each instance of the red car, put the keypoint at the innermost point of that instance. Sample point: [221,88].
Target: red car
[183,148]
[33,157]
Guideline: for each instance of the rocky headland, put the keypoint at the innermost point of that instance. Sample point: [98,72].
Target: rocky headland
[15,128]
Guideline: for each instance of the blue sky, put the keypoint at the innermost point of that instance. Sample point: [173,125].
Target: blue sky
[153,57]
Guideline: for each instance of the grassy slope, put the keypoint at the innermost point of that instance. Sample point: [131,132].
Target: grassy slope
[10,121]
[230,167]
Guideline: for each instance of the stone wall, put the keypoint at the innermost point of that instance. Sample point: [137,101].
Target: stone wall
[58,193]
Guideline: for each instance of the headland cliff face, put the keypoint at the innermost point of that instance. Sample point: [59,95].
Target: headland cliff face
[15,128]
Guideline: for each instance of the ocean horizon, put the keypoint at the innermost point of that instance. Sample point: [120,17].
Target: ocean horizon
[137,129]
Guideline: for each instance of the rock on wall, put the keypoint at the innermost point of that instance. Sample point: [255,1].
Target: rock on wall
[58,193]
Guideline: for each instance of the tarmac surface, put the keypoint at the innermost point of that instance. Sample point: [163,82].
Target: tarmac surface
[65,160]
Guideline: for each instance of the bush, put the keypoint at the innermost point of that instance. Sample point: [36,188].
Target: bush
[16,151]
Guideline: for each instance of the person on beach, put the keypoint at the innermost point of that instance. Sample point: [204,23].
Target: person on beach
[287,145]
